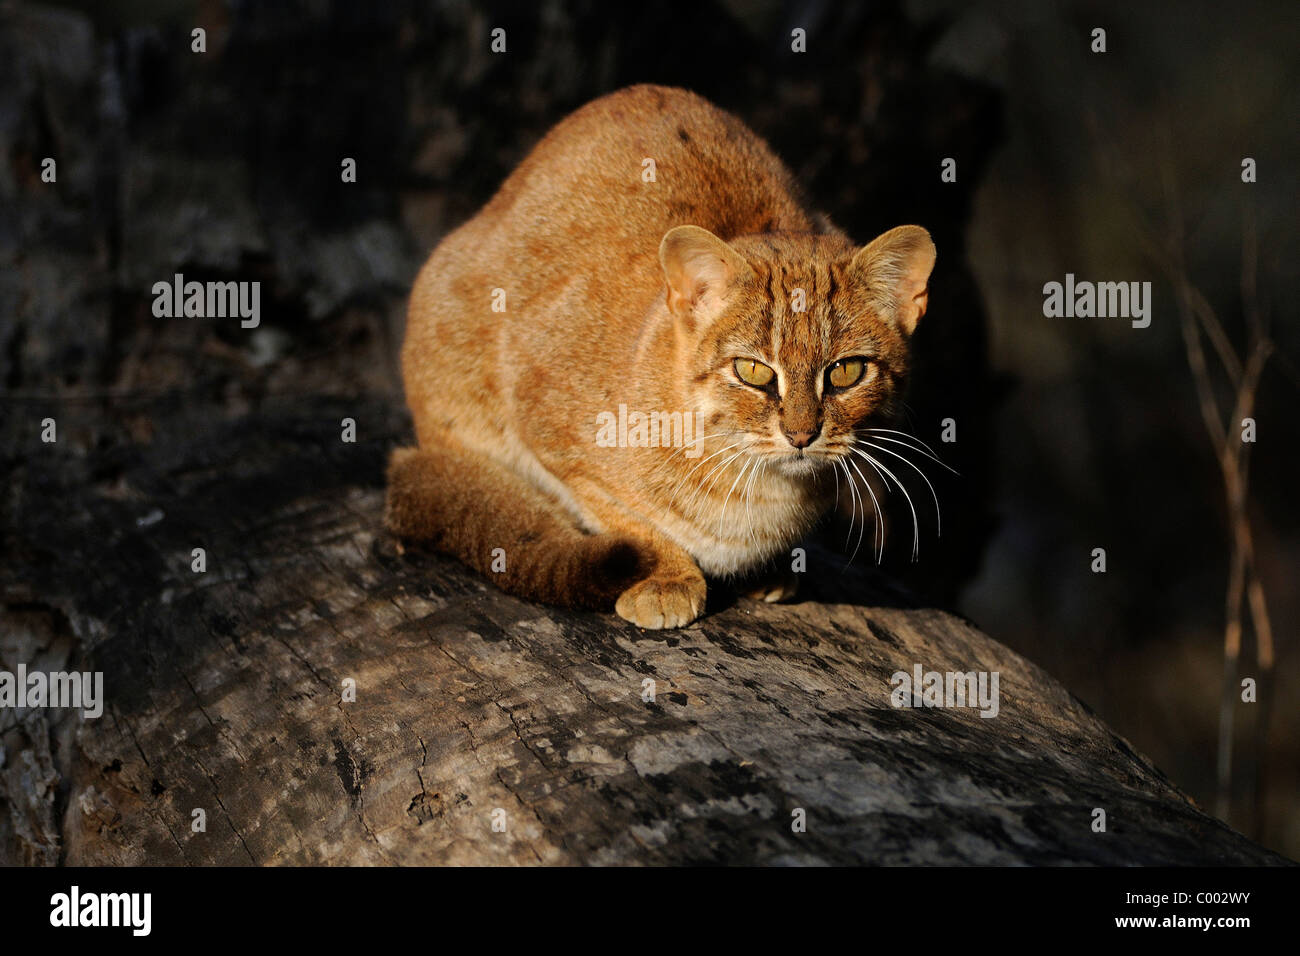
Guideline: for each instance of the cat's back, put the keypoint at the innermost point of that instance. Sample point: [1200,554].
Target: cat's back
[645,159]
[562,264]
[609,180]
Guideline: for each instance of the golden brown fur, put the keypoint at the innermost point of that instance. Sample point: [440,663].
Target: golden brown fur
[609,303]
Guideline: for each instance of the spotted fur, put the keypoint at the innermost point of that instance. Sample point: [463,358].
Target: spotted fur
[622,291]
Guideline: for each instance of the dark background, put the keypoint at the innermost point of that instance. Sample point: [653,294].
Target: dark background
[1072,433]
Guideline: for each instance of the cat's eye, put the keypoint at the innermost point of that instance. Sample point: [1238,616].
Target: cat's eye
[846,372]
[753,373]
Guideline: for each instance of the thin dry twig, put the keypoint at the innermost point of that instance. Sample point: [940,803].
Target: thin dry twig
[1245,590]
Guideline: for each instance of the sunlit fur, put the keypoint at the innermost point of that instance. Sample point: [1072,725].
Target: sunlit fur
[624,291]
[744,506]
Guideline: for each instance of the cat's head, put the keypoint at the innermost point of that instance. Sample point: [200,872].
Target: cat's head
[792,342]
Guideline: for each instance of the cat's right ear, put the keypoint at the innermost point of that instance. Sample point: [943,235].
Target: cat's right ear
[699,268]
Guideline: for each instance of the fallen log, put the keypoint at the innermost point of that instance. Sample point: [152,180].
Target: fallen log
[485,729]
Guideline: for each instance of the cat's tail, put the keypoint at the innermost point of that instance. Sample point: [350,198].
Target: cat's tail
[469,506]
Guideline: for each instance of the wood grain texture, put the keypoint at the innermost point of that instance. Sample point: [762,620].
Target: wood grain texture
[224,692]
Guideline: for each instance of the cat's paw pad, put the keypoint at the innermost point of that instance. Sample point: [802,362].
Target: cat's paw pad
[662,602]
[782,587]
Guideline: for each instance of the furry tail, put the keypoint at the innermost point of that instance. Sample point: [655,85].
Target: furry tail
[466,505]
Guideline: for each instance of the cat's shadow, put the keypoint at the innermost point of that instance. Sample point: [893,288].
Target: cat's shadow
[826,577]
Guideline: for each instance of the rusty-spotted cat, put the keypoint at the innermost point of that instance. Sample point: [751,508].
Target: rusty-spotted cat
[651,253]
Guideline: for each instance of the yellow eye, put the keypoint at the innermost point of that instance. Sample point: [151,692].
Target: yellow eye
[753,373]
[846,372]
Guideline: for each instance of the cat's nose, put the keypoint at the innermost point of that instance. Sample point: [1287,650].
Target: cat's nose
[800,439]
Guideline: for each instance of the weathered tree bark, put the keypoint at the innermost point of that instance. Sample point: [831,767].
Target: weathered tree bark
[225,688]
[225,692]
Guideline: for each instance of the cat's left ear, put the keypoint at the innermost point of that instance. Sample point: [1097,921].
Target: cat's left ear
[898,263]
[700,268]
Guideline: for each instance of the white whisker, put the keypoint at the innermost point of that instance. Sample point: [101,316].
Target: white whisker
[923,451]
[682,481]
[722,521]
[749,517]
[681,450]
[853,502]
[706,485]
[880,518]
[914,467]
[916,528]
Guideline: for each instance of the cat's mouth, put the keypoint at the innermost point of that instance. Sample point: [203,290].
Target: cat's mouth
[802,461]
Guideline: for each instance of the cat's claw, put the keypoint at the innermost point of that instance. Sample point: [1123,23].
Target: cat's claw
[657,603]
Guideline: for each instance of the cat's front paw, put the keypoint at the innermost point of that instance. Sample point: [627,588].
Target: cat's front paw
[776,588]
[662,602]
